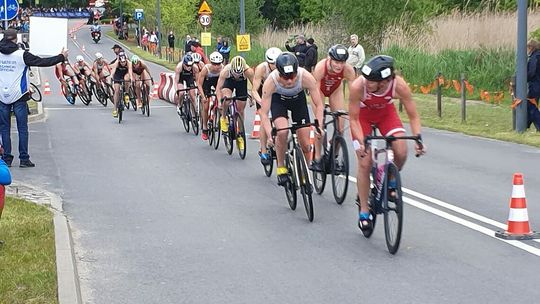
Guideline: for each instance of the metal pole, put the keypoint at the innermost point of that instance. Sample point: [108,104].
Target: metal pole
[121,19]
[521,64]
[242,18]
[463,99]
[139,32]
[439,95]
[158,19]
[5,16]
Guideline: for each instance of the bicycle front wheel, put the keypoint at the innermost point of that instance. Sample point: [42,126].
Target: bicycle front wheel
[84,95]
[339,164]
[195,118]
[228,137]
[35,93]
[240,136]
[305,184]
[290,187]
[268,168]
[216,130]
[186,113]
[393,210]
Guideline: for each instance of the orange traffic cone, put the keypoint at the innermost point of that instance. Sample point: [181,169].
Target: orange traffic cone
[47,88]
[256,126]
[518,219]
[154,93]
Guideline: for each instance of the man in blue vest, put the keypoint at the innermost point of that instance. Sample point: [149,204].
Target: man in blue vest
[14,94]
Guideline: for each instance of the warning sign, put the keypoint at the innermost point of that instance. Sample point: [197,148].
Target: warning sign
[243,43]
[205,9]
[206,39]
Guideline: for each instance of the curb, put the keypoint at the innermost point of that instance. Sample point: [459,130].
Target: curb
[39,116]
[69,291]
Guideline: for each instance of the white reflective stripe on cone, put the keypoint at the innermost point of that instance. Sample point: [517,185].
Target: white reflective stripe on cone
[518,191]
[518,215]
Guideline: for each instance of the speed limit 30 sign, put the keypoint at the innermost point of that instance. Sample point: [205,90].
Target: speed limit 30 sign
[205,19]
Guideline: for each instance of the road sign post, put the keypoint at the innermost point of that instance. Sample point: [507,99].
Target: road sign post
[138,16]
[205,19]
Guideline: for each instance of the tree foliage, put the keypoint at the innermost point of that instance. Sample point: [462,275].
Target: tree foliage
[226,16]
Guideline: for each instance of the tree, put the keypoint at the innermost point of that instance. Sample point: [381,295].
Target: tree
[281,13]
[226,17]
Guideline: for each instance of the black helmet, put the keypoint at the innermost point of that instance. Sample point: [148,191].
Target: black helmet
[287,64]
[378,68]
[338,52]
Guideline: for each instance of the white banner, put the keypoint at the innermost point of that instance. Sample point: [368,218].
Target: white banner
[48,35]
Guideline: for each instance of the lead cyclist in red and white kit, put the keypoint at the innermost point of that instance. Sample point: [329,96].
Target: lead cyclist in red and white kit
[371,103]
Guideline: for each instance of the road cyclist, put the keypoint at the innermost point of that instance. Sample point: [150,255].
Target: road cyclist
[206,83]
[141,72]
[122,76]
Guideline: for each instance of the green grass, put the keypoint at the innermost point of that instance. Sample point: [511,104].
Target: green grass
[27,258]
[485,69]
[482,119]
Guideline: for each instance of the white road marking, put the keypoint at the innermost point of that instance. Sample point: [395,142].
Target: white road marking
[461,221]
[96,108]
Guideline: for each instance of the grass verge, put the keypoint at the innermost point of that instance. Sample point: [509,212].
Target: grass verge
[482,120]
[27,257]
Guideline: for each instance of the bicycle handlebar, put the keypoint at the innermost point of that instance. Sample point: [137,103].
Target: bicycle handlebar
[391,138]
[295,127]
[334,113]
[235,98]
[185,90]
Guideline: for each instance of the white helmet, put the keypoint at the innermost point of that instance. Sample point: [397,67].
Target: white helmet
[272,54]
[79,58]
[99,55]
[216,58]
[196,57]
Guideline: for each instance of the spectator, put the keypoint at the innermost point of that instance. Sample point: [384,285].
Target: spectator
[145,42]
[197,48]
[125,30]
[299,49]
[225,51]
[5,174]
[14,69]
[171,39]
[153,42]
[533,82]
[219,43]
[187,44]
[311,55]
[356,54]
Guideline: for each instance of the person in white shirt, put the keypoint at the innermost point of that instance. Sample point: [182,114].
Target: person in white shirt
[356,54]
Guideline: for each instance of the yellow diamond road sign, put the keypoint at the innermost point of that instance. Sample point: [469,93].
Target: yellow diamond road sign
[205,9]
[243,43]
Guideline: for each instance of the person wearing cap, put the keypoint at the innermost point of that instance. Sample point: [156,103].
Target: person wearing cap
[14,84]
[311,55]
[117,50]
[356,54]
[299,49]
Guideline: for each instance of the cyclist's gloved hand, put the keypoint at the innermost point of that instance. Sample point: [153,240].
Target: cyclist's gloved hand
[420,147]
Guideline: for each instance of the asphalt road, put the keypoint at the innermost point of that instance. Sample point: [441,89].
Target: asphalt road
[160,217]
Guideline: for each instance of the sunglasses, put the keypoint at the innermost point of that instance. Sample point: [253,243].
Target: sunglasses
[288,76]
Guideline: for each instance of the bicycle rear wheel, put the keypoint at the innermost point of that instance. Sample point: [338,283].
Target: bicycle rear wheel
[240,136]
[290,187]
[35,93]
[109,91]
[393,211]
[216,128]
[133,97]
[339,168]
[83,94]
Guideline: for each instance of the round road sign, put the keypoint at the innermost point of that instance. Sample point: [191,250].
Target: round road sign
[205,19]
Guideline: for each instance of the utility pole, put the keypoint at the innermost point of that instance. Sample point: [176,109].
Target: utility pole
[521,64]
[242,18]
[158,21]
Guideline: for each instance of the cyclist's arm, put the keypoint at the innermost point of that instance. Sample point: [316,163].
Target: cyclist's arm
[249,74]
[221,81]
[200,81]
[177,72]
[309,82]
[130,72]
[145,68]
[318,71]
[268,89]
[257,80]
[349,73]
[356,89]
[403,92]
